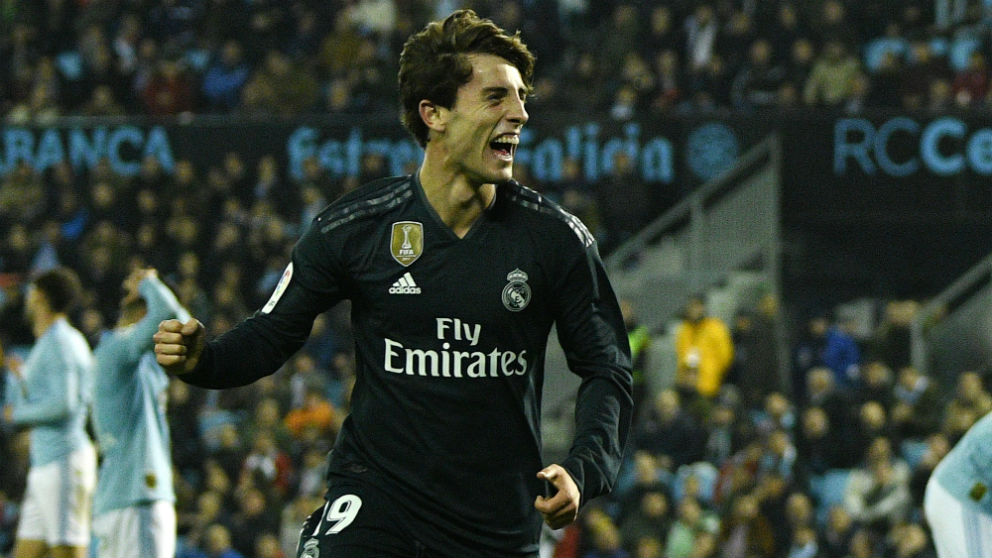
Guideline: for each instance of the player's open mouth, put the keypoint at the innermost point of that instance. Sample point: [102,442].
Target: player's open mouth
[505,146]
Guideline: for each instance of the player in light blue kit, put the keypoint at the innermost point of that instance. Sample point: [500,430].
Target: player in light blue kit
[51,397]
[958,500]
[134,508]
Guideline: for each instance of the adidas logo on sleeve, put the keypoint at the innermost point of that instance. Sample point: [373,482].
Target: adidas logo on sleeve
[405,285]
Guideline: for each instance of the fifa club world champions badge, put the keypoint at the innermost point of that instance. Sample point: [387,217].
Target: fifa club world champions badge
[407,242]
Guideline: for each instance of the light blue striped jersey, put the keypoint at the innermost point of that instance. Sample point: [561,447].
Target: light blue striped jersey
[965,471]
[129,408]
[54,396]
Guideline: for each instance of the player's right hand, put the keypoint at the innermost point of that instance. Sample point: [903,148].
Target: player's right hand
[178,345]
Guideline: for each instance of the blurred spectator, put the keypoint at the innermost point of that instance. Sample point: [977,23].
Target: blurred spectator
[923,66]
[669,432]
[709,88]
[778,413]
[877,493]
[311,474]
[736,37]
[218,543]
[725,433]
[267,546]
[255,516]
[315,419]
[268,465]
[585,93]
[639,338]
[778,456]
[662,33]
[323,189]
[701,31]
[703,348]
[876,384]
[909,540]
[804,544]
[799,65]
[102,102]
[22,195]
[756,369]
[864,544]
[184,405]
[971,84]
[970,396]
[606,542]
[649,519]
[832,77]
[830,22]
[305,38]
[799,516]
[879,497]
[669,85]
[826,344]
[169,91]
[279,88]
[940,97]
[619,37]
[917,409]
[746,532]
[784,30]
[757,84]
[271,187]
[17,250]
[193,524]
[642,473]
[225,78]
[819,447]
[873,422]
[837,533]
[691,522]
[621,184]
[892,337]
[937,446]
[821,391]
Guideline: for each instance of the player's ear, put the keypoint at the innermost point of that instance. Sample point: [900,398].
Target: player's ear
[435,116]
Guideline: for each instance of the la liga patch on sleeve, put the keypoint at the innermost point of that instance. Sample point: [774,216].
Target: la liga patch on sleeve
[280,288]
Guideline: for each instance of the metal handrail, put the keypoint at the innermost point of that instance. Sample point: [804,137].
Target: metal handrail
[939,305]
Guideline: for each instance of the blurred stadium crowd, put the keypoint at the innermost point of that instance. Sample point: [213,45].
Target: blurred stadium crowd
[273,58]
[831,463]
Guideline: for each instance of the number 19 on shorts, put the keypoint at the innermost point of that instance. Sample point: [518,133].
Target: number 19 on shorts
[338,514]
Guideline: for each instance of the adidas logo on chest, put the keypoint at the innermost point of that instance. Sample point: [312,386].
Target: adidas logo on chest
[405,285]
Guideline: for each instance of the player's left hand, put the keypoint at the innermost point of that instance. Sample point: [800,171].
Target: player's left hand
[562,508]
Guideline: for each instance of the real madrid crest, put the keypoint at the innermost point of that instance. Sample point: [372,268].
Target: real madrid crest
[407,242]
[516,293]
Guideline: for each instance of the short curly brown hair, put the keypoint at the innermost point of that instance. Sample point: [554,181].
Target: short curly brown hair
[434,62]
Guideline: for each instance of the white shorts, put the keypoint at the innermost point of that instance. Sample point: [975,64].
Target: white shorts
[959,531]
[147,531]
[57,500]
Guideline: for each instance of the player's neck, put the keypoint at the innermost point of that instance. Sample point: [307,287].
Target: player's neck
[458,201]
[44,321]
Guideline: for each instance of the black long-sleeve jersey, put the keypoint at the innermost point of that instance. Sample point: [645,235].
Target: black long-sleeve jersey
[450,336]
